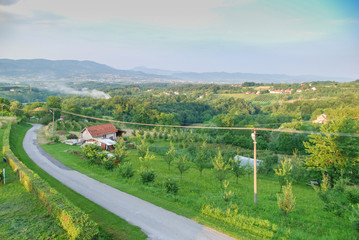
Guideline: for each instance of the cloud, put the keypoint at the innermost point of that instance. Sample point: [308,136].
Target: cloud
[8,2]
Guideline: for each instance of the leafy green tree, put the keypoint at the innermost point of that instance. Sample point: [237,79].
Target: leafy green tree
[286,200]
[146,160]
[334,198]
[202,159]
[237,168]
[16,108]
[170,155]
[248,169]
[120,151]
[53,102]
[283,171]
[221,168]
[183,164]
[142,148]
[332,153]
[91,151]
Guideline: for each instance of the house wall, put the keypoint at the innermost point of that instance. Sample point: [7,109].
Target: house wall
[86,135]
[111,136]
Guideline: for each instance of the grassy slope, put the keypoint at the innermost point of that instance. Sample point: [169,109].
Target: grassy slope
[309,221]
[112,225]
[21,214]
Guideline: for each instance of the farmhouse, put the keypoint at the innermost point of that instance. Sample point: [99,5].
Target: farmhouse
[108,131]
[102,135]
[321,119]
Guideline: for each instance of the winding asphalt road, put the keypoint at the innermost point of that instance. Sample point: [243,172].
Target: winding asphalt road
[156,222]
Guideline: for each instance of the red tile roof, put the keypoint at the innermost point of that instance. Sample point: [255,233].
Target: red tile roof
[101,129]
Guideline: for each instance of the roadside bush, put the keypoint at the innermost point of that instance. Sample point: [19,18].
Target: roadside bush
[126,170]
[147,175]
[1,177]
[171,186]
[109,162]
[352,194]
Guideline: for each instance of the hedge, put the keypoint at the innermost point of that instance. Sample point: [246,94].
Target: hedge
[74,221]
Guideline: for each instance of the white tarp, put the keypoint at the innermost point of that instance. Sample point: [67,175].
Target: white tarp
[246,160]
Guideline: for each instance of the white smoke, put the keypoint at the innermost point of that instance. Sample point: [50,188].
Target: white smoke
[83,92]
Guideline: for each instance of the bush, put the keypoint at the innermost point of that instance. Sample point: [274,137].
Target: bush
[126,170]
[55,139]
[109,163]
[1,177]
[171,186]
[71,136]
[352,194]
[147,176]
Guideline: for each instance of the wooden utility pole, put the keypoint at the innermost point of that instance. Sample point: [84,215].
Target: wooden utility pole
[255,165]
[53,121]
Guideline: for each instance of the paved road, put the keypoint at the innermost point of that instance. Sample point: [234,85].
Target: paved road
[156,222]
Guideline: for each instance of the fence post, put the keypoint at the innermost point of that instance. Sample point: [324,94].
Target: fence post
[3,172]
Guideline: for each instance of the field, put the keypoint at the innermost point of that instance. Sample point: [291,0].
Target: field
[263,99]
[198,194]
[111,226]
[21,215]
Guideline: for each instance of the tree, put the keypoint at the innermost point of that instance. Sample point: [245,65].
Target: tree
[286,200]
[146,160]
[142,148]
[171,155]
[15,108]
[331,152]
[53,102]
[91,153]
[202,158]
[120,151]
[248,169]
[237,168]
[334,199]
[183,164]
[220,168]
[283,171]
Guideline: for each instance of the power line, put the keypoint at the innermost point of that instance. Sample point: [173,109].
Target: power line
[218,128]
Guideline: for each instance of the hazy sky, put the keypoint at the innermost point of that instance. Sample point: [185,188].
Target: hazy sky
[261,36]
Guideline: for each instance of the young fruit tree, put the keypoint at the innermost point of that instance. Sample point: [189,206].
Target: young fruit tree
[286,200]
[120,151]
[202,158]
[283,171]
[183,164]
[170,155]
[221,168]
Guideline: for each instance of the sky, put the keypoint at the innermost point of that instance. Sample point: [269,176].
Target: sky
[296,37]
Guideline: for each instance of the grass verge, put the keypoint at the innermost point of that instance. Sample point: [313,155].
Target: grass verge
[111,226]
[308,221]
[21,214]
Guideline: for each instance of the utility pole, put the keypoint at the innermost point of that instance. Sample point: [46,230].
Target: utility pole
[53,121]
[255,165]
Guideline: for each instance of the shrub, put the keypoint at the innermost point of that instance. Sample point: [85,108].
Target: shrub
[286,200]
[71,136]
[147,176]
[55,139]
[1,177]
[126,170]
[109,162]
[352,194]
[171,186]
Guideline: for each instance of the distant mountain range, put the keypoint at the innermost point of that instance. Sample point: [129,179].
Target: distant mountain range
[70,70]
